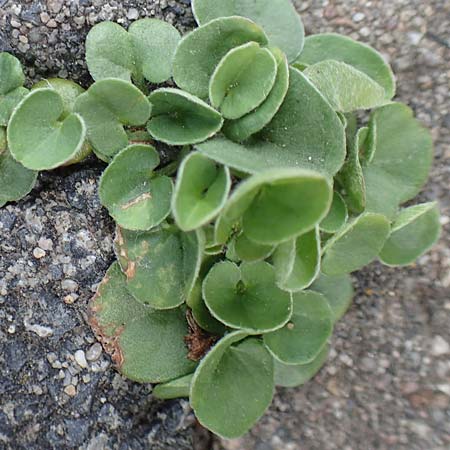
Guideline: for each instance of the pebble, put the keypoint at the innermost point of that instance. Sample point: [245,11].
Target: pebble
[69,285]
[70,390]
[38,253]
[133,14]
[45,244]
[439,346]
[40,330]
[94,352]
[358,17]
[80,359]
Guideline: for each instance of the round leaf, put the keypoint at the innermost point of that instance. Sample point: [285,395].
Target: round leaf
[338,290]
[242,80]
[39,136]
[200,51]
[160,266]
[306,334]
[201,191]
[250,251]
[241,129]
[106,107]
[233,385]
[289,375]
[246,297]
[337,215]
[415,230]
[179,118]
[305,133]
[140,200]
[177,388]
[320,47]
[279,19]
[356,244]
[146,345]
[297,262]
[346,88]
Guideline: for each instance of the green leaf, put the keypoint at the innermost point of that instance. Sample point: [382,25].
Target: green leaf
[246,297]
[201,191]
[337,215]
[320,47]
[297,262]
[415,230]
[305,133]
[106,107]
[306,334]
[300,197]
[177,388]
[146,345]
[250,251]
[292,375]
[242,80]
[338,290]
[11,73]
[39,136]
[141,199]
[160,266]
[8,102]
[279,19]
[199,52]
[241,129]
[347,89]
[179,118]
[356,244]
[233,385]
[402,161]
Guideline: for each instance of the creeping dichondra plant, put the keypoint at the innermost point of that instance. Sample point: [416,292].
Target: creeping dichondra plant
[233,260]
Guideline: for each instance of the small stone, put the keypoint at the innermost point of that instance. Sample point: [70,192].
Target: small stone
[365,31]
[55,5]
[37,390]
[69,285]
[439,346]
[94,352]
[70,299]
[38,253]
[11,329]
[23,39]
[80,359]
[40,330]
[44,17]
[45,244]
[86,378]
[51,357]
[15,24]
[70,390]
[132,14]
[358,17]
[52,23]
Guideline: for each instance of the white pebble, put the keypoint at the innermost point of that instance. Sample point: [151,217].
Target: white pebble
[38,253]
[80,359]
[94,352]
[439,346]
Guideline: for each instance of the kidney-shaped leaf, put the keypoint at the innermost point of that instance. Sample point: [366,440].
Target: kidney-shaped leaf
[106,107]
[250,251]
[39,136]
[199,52]
[356,244]
[320,47]
[201,191]
[233,385]
[337,215]
[279,19]
[346,88]
[246,297]
[179,118]
[177,388]
[414,231]
[160,266]
[297,262]
[242,80]
[306,334]
[241,129]
[305,133]
[135,197]
[146,345]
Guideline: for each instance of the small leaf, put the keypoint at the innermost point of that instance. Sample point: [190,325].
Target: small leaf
[39,136]
[179,118]
[233,385]
[347,89]
[242,80]
[402,161]
[292,375]
[415,230]
[297,262]
[305,133]
[246,297]
[302,198]
[200,51]
[11,73]
[146,345]
[279,19]
[321,47]
[8,102]
[356,244]
[306,334]
[160,266]
[106,107]
[241,129]
[338,290]
[201,191]
[177,388]
[337,215]
[140,200]
[250,251]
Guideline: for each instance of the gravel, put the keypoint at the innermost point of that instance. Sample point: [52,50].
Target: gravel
[386,385]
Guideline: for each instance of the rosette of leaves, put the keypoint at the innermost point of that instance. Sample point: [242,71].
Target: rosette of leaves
[234,255]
